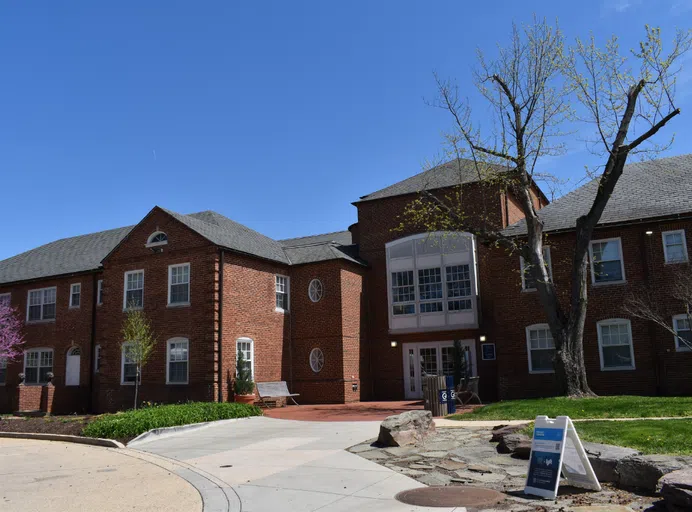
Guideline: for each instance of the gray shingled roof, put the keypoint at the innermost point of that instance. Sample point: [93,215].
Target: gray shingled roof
[338,237]
[656,188]
[455,172]
[66,256]
[330,246]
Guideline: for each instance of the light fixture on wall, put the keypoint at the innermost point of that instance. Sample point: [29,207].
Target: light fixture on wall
[649,233]
[482,338]
[393,344]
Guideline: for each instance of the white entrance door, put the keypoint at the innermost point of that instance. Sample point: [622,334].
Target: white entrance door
[72,367]
[431,358]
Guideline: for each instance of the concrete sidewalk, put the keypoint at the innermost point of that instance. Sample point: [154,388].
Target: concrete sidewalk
[291,465]
[50,476]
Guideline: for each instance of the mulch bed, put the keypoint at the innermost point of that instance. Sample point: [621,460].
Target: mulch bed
[66,425]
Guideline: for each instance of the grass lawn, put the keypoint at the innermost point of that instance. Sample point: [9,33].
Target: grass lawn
[671,437]
[130,424]
[583,408]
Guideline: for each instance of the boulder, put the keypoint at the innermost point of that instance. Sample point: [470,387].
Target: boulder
[676,489]
[604,459]
[644,471]
[407,428]
[501,431]
[519,445]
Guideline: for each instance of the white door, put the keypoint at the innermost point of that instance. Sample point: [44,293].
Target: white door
[72,367]
[431,358]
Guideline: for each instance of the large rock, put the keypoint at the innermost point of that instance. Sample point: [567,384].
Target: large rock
[407,428]
[676,489]
[503,430]
[604,459]
[519,445]
[644,471]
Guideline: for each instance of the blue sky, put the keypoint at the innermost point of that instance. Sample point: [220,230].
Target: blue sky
[276,114]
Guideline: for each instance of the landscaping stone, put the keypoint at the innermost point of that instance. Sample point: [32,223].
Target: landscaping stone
[438,446]
[604,459]
[644,471]
[399,451]
[435,479]
[451,465]
[434,455]
[417,465]
[364,447]
[374,455]
[480,477]
[406,428]
[511,442]
[676,489]
[502,430]
[479,468]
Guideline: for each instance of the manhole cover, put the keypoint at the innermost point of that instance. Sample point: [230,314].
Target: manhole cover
[453,496]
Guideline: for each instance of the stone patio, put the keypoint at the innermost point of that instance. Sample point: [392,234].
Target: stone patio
[467,457]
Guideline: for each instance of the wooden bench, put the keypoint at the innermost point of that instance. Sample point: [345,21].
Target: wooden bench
[274,390]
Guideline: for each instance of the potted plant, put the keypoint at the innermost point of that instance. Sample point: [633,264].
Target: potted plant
[243,387]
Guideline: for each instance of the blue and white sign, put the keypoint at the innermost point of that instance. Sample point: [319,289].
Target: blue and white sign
[443,396]
[556,450]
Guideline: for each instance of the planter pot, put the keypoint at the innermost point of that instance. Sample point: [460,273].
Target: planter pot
[245,399]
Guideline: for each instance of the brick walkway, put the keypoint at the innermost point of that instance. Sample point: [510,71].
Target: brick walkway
[358,411]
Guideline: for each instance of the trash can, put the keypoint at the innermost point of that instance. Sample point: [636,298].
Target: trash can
[451,395]
[435,395]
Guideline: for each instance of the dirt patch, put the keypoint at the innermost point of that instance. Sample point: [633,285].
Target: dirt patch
[67,425]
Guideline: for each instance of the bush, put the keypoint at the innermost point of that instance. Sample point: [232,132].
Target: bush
[130,424]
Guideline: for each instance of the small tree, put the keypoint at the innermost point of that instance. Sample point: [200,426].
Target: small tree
[11,337]
[460,363]
[243,377]
[138,342]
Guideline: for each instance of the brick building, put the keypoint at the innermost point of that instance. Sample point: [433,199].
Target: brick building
[353,315]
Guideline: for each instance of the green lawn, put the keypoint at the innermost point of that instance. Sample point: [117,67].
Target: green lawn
[670,437]
[583,408]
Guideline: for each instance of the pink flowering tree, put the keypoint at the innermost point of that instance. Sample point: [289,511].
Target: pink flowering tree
[11,337]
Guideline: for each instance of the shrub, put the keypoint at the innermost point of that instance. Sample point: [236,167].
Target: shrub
[129,424]
[243,382]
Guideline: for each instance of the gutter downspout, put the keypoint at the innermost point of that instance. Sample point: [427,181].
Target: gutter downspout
[220,338]
[92,356]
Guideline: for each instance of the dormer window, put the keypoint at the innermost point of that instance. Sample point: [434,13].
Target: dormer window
[157,238]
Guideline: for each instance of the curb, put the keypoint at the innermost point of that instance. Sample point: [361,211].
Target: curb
[158,433]
[93,441]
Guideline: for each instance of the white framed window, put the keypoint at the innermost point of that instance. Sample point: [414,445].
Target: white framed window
[3,371]
[541,347]
[528,283]
[247,347]
[282,292]
[179,284]
[157,238]
[128,366]
[458,287]
[675,246]
[75,295]
[5,299]
[38,362]
[177,360]
[430,290]
[316,360]
[133,296]
[607,265]
[97,358]
[403,293]
[41,305]
[615,344]
[683,329]
[99,292]
[315,290]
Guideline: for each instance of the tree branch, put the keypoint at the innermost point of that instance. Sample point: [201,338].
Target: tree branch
[652,131]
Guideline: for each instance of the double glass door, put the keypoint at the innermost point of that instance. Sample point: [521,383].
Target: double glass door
[431,358]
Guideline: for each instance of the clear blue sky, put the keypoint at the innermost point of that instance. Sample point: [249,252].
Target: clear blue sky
[276,114]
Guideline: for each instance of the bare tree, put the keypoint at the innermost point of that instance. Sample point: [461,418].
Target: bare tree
[648,303]
[138,342]
[538,93]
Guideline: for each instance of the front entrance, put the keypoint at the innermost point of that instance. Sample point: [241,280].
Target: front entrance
[72,367]
[431,358]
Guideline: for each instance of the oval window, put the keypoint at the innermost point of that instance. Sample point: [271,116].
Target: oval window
[315,290]
[316,360]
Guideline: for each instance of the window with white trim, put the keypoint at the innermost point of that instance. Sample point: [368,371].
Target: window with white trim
[177,361]
[157,238]
[430,290]
[607,264]
[37,364]
[403,293]
[75,295]
[316,360]
[458,288]
[3,371]
[528,283]
[282,291]
[128,365]
[97,358]
[5,299]
[246,346]
[675,246]
[315,290]
[541,347]
[683,329]
[133,296]
[99,292]
[41,305]
[615,344]
[179,284]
